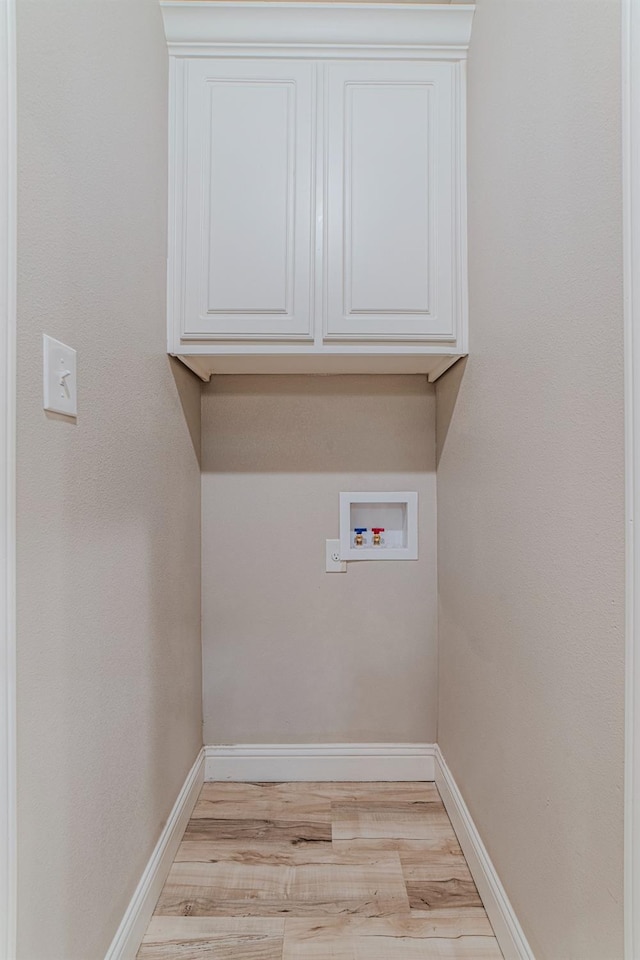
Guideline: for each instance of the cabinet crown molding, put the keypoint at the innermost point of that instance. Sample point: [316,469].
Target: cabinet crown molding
[202,26]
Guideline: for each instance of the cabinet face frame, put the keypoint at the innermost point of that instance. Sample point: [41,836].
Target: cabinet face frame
[324,34]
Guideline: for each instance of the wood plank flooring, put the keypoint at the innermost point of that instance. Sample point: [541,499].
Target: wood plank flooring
[319,871]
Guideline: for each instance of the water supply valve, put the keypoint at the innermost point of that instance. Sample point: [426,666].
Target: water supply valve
[358,540]
[377,539]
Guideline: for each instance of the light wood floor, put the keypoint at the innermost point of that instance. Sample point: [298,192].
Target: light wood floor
[312,871]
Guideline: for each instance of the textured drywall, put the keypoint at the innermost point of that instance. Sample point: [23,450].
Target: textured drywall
[530,475]
[291,653]
[109,669]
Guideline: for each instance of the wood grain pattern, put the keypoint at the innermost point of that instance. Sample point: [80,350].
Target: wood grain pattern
[430,894]
[300,884]
[209,851]
[311,871]
[187,938]
[437,859]
[206,828]
[304,791]
[413,820]
[389,939]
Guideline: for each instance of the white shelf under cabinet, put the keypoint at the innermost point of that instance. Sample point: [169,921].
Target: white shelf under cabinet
[317,209]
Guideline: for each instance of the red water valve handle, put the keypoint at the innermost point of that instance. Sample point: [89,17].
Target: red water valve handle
[377,529]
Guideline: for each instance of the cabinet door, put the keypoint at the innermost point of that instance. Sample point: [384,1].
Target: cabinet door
[390,201]
[247,229]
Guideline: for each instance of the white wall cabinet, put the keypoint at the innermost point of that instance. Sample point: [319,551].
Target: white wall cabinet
[317,215]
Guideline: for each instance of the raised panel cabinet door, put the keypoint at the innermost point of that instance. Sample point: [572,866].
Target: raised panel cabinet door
[390,198]
[248,234]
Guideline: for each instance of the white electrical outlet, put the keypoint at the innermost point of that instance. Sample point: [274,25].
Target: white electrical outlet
[59,377]
[333,562]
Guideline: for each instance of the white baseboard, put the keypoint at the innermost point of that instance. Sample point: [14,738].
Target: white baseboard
[508,931]
[268,762]
[136,919]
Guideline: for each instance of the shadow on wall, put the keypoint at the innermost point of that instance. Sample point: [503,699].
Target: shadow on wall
[189,388]
[356,424]
[447,390]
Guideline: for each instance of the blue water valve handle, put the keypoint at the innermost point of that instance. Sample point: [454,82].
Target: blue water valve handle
[359,529]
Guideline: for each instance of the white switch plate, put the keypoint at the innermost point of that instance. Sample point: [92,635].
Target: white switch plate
[60,383]
[334,563]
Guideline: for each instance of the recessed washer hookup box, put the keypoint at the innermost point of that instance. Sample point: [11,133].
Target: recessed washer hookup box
[379,526]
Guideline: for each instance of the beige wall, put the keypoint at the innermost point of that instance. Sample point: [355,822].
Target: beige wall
[530,477]
[109,507]
[291,653]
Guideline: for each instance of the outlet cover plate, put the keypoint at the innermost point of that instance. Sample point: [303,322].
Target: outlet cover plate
[333,562]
